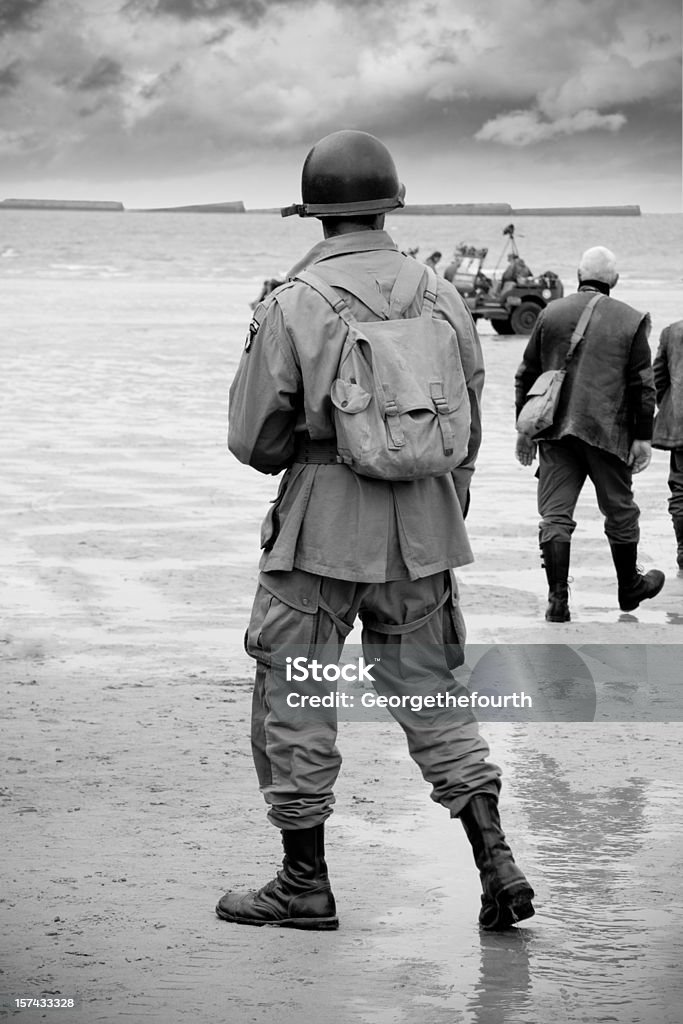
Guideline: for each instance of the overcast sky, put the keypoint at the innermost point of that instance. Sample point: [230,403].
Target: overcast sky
[163,102]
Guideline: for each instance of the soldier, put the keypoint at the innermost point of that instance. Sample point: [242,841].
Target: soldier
[515,273]
[338,544]
[433,260]
[453,267]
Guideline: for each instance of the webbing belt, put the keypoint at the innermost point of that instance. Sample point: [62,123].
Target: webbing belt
[321,453]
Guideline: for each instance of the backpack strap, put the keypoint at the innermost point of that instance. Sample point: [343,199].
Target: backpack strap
[429,295]
[436,393]
[339,278]
[408,280]
[392,417]
[327,292]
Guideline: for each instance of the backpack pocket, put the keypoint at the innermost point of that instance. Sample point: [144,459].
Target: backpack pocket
[349,396]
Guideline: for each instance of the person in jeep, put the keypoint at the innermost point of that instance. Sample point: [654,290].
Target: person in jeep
[516,272]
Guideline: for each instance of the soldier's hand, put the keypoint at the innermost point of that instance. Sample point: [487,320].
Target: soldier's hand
[525,450]
[639,456]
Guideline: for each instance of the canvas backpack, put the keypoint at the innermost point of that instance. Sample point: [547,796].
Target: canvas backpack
[400,404]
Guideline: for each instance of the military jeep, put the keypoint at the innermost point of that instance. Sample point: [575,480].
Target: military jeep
[511,306]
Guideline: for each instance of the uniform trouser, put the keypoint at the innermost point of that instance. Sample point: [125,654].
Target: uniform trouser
[676,484]
[418,628]
[563,468]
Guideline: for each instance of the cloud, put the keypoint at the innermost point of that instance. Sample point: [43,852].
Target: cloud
[103,74]
[248,11]
[9,77]
[176,86]
[18,15]
[12,143]
[526,127]
[612,80]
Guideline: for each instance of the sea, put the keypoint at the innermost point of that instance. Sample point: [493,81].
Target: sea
[68,245]
[236,252]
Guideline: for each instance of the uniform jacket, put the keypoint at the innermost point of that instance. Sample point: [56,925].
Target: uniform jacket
[608,396]
[668,371]
[326,519]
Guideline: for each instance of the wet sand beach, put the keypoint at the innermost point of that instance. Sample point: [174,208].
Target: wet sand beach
[128,549]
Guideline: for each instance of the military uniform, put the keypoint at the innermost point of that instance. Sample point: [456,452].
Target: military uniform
[337,545]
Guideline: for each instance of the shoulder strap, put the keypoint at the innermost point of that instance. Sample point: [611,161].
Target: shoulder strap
[581,326]
[407,282]
[430,294]
[327,292]
[340,278]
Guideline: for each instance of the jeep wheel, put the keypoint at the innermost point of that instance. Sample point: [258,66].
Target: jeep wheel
[523,317]
[502,326]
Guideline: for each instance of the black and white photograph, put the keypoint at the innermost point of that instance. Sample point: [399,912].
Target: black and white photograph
[341,479]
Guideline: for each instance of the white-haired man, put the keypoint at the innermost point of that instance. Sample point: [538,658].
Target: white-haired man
[602,428]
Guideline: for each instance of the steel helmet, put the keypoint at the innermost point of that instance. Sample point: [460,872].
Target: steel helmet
[347,173]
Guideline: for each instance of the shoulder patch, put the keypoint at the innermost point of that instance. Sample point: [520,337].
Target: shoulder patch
[253,328]
[261,311]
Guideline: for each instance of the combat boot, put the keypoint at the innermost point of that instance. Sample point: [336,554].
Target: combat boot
[298,897]
[506,895]
[678,529]
[555,557]
[633,585]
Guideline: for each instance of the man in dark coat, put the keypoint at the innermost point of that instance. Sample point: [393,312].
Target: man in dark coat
[668,430]
[602,428]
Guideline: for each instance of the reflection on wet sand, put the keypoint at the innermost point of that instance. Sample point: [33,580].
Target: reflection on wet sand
[604,933]
[502,993]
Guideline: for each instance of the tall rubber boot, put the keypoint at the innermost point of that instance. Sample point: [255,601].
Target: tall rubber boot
[555,554]
[633,585]
[298,897]
[678,530]
[506,895]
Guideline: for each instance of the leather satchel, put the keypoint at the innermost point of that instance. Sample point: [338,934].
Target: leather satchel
[540,406]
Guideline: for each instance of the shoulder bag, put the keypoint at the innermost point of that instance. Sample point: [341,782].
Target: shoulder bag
[538,411]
